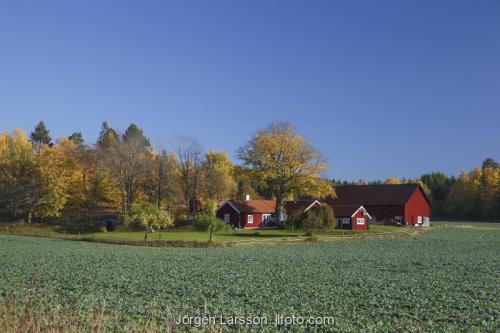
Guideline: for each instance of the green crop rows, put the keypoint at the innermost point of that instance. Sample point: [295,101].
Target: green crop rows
[445,280]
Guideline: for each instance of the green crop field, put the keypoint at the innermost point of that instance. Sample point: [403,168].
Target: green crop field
[447,279]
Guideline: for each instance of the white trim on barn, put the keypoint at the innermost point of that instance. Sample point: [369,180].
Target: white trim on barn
[230,204]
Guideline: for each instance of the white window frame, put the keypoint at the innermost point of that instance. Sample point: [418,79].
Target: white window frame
[360,221]
[227,218]
[250,219]
[266,218]
[346,220]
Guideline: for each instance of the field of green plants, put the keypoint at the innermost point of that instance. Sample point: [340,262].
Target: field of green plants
[447,279]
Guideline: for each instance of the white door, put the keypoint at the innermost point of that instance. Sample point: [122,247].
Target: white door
[227,218]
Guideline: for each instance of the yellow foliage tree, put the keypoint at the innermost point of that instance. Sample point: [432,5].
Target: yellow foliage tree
[286,162]
[218,181]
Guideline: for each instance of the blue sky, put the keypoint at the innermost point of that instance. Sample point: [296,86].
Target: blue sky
[381,88]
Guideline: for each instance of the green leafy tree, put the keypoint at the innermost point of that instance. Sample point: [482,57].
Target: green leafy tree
[286,163]
[77,138]
[40,136]
[150,217]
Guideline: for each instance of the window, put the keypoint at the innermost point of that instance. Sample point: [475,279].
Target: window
[227,218]
[360,221]
[346,220]
[398,218]
[266,218]
[250,219]
[419,219]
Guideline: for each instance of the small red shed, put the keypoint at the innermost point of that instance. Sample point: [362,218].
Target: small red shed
[352,217]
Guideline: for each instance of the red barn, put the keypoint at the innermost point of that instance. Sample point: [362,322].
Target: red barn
[406,203]
[246,214]
[351,217]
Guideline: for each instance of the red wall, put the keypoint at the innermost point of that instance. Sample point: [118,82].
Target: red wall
[415,207]
[257,221]
[354,221]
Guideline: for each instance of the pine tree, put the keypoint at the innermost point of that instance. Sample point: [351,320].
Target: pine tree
[40,136]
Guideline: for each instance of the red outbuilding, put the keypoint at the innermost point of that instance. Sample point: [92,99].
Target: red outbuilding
[351,217]
[406,203]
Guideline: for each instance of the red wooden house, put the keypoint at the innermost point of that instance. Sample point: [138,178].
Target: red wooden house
[246,214]
[406,203]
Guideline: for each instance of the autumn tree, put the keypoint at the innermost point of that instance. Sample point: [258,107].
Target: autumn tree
[40,136]
[218,181]
[286,162]
[160,181]
[393,180]
[18,174]
[190,158]
[56,170]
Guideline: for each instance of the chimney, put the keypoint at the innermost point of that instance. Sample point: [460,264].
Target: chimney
[247,197]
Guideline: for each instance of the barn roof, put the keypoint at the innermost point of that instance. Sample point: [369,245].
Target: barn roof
[252,206]
[386,194]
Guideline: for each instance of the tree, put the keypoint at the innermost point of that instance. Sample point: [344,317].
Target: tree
[19,179]
[463,197]
[95,184]
[77,138]
[438,184]
[56,169]
[40,136]
[490,163]
[209,223]
[107,136]
[393,180]
[160,182]
[286,162]
[312,220]
[189,155]
[149,216]
[218,181]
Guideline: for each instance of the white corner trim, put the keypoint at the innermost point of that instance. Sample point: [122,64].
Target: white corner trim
[230,204]
[366,212]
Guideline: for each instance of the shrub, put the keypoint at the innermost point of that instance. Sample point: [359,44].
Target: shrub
[202,222]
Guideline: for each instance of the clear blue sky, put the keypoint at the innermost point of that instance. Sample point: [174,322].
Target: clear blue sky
[381,88]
